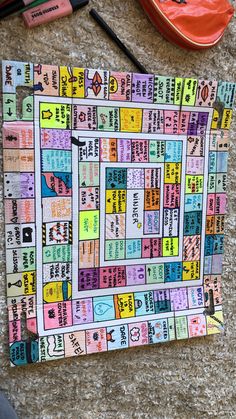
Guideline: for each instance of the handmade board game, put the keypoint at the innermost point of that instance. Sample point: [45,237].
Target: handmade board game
[115,200]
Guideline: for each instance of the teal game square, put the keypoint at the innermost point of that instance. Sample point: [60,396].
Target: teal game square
[133,248]
[116,178]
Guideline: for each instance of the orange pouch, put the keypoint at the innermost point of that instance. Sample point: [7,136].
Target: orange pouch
[192,24]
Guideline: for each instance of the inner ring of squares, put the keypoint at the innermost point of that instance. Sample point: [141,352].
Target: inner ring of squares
[139,212]
[110,176]
[141,183]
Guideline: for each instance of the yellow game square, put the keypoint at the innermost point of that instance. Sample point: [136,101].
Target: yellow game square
[191,270]
[130,119]
[226,120]
[115,201]
[189,93]
[57,291]
[71,82]
[55,115]
[29,282]
[78,83]
[21,284]
[88,225]
[215,323]
[194,184]
[215,118]
[124,305]
[172,173]
[66,82]
[178,90]
[170,246]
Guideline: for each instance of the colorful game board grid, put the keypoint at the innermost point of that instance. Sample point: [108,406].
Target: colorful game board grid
[56,165]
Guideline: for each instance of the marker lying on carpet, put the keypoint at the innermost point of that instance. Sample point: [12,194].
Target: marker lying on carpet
[115,38]
[8,8]
[50,11]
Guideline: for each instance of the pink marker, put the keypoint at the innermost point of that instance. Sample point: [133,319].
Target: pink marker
[51,10]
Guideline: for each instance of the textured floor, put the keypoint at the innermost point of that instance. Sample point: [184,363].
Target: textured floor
[194,379]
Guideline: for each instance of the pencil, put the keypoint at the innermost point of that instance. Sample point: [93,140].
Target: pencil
[115,38]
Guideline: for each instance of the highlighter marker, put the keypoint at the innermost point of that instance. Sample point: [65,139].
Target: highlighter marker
[52,10]
[8,8]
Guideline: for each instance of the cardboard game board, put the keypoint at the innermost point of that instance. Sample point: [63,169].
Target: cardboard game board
[115,199]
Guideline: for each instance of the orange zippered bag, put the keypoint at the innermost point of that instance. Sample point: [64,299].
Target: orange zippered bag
[191,24]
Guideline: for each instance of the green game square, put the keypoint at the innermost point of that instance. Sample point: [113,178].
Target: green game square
[181,324]
[108,118]
[155,273]
[156,151]
[114,249]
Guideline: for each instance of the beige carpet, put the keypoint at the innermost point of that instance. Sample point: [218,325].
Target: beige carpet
[191,379]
